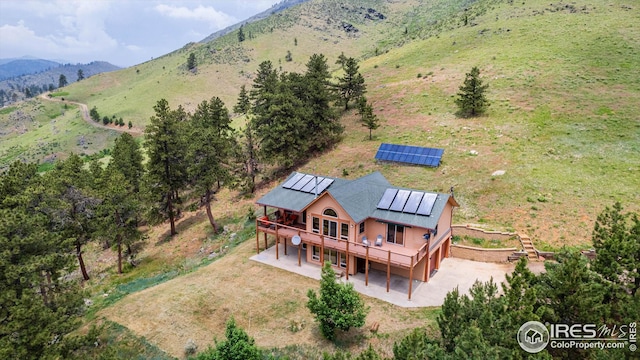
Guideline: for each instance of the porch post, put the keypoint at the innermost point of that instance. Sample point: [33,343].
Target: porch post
[277,241]
[299,250]
[410,278]
[285,245]
[347,255]
[322,250]
[265,240]
[388,269]
[366,268]
[426,267]
[257,238]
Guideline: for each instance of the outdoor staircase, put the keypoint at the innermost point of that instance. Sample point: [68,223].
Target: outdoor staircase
[527,245]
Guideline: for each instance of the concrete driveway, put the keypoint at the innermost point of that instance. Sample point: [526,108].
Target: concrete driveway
[453,273]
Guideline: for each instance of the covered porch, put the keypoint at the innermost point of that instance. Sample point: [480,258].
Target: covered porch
[381,256]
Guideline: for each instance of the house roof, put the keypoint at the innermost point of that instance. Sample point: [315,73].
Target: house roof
[359,198]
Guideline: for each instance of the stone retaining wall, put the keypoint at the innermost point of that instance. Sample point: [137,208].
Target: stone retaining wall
[462,230]
[481,254]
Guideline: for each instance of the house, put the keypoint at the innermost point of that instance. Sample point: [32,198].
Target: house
[352,223]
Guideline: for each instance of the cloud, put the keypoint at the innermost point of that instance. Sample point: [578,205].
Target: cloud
[215,19]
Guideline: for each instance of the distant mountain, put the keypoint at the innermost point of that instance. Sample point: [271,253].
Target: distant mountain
[17,67]
[276,8]
[21,87]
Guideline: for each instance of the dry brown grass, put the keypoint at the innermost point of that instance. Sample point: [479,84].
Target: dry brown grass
[264,300]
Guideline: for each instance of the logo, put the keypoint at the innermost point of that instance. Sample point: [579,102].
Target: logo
[533,337]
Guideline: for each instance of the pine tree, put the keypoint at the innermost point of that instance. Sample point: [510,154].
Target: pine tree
[191,61]
[351,85]
[238,345]
[241,34]
[244,103]
[62,81]
[166,173]
[210,152]
[338,306]
[322,125]
[367,117]
[264,85]
[72,206]
[80,75]
[471,99]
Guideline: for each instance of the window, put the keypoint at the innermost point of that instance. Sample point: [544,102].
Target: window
[315,227]
[304,217]
[343,260]
[330,212]
[315,254]
[344,231]
[331,256]
[361,227]
[329,228]
[395,234]
[304,246]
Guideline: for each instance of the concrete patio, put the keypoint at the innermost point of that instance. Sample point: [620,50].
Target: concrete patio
[453,273]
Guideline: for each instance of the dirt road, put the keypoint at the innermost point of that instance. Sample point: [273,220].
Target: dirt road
[84,111]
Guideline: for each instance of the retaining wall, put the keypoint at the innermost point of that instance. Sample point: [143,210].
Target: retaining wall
[481,254]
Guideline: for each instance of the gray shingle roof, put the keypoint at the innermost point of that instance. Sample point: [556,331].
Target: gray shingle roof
[359,198]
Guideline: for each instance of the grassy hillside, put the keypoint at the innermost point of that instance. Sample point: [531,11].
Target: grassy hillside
[564,85]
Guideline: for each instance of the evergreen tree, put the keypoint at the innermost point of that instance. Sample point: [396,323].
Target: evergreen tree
[338,306]
[367,117]
[126,158]
[93,113]
[280,126]
[191,61]
[166,173]
[37,307]
[471,99]
[237,346]
[62,81]
[80,75]
[264,85]
[322,125]
[417,346]
[617,244]
[241,34]
[247,156]
[210,152]
[72,206]
[351,85]
[119,212]
[244,103]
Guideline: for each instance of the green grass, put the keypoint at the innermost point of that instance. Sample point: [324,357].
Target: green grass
[59,94]
[42,131]
[7,110]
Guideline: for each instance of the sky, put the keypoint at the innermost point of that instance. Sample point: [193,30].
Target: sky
[122,32]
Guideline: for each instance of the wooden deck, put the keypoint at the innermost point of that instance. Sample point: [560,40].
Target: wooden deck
[387,253]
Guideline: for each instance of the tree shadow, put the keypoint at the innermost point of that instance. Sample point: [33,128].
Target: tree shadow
[184,223]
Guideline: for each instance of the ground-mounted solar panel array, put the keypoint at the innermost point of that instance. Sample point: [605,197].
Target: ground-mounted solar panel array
[307,183]
[408,154]
[408,201]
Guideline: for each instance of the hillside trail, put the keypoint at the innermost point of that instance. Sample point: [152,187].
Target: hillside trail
[84,112]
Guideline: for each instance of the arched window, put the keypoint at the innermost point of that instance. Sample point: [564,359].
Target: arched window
[330,212]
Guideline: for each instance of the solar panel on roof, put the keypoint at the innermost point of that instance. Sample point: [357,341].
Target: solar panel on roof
[428,200]
[294,179]
[413,202]
[400,200]
[304,181]
[410,154]
[309,188]
[324,184]
[387,199]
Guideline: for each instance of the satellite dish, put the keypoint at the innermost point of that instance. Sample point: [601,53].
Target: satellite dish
[296,240]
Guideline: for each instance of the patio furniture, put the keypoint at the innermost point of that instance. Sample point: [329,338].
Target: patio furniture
[379,240]
[365,241]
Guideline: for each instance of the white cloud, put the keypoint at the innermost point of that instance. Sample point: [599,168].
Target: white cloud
[215,19]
